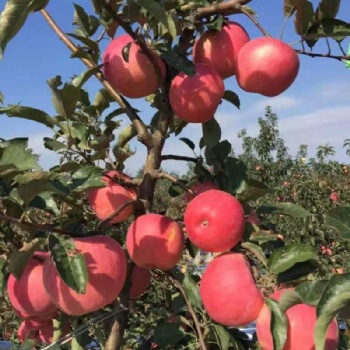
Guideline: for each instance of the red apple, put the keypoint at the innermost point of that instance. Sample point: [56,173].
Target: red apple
[132,74]
[200,188]
[266,66]
[106,200]
[140,280]
[28,295]
[228,291]
[155,241]
[106,263]
[301,323]
[220,48]
[214,221]
[195,99]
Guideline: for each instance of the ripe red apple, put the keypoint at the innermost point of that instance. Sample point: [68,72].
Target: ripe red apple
[301,323]
[28,295]
[220,48]
[214,221]
[155,241]
[46,333]
[228,291]
[106,200]
[106,263]
[135,77]
[266,66]
[195,99]
[200,188]
[140,280]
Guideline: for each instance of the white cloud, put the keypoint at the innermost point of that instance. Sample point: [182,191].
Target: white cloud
[335,91]
[278,103]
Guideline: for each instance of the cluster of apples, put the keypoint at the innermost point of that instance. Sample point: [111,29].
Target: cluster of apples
[264,65]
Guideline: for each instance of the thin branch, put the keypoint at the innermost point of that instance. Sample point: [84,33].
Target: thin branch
[325,55]
[226,8]
[137,38]
[143,134]
[254,20]
[104,223]
[175,157]
[178,285]
[163,175]
[45,227]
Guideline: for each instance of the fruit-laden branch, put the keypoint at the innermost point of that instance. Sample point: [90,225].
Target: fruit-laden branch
[325,55]
[143,134]
[178,285]
[44,227]
[137,38]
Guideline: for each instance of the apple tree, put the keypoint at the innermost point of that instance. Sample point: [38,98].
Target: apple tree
[90,252]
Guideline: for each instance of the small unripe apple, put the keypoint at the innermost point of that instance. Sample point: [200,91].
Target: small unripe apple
[195,99]
[266,66]
[214,221]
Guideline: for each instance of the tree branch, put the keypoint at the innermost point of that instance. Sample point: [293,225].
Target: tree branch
[176,157]
[45,227]
[254,20]
[225,8]
[178,285]
[325,55]
[143,135]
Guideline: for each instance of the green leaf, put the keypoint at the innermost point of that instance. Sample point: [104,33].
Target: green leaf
[44,201]
[16,153]
[192,290]
[254,190]
[278,324]
[175,190]
[285,257]
[102,100]
[30,176]
[13,18]
[19,258]
[126,135]
[223,336]
[236,175]
[64,99]
[81,19]
[188,142]
[232,97]
[177,125]
[168,334]
[53,145]
[80,80]
[178,61]
[15,111]
[161,15]
[211,133]
[28,191]
[2,275]
[339,219]
[329,28]
[2,99]
[310,292]
[327,9]
[298,271]
[289,298]
[289,209]
[88,177]
[304,16]
[70,265]
[89,43]
[335,296]
[289,8]
[255,250]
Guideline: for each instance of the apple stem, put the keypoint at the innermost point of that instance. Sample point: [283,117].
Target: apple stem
[254,20]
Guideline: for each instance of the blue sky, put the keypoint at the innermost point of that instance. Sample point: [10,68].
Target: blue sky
[315,110]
